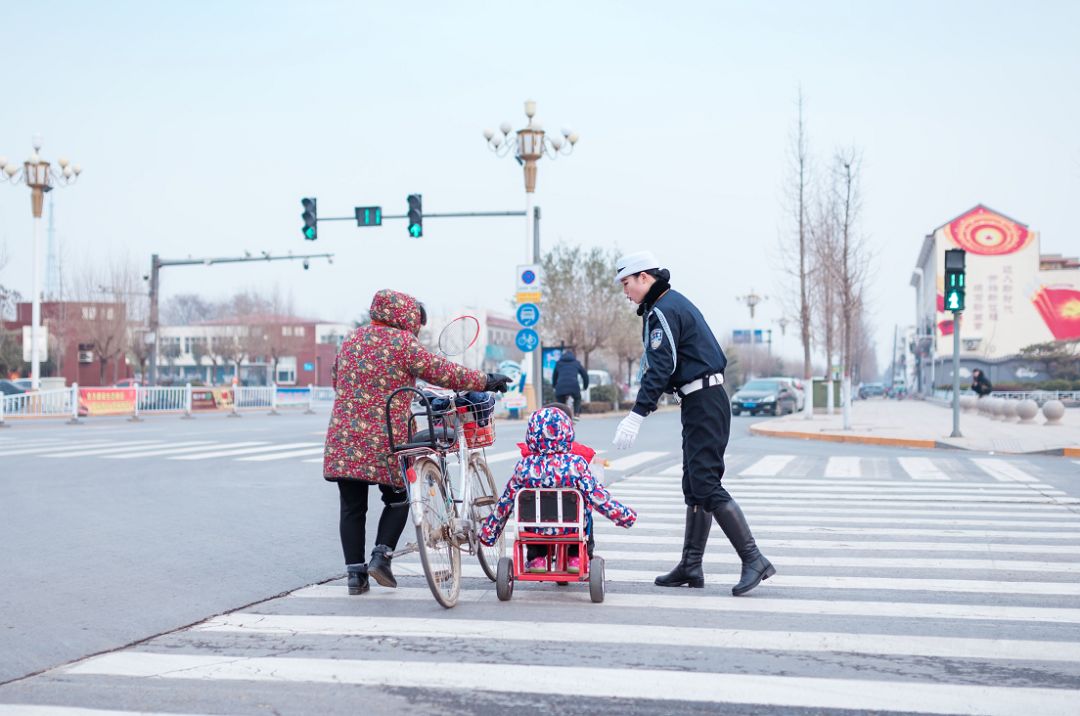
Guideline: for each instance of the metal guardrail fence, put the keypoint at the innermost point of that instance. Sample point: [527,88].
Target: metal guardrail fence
[65,403]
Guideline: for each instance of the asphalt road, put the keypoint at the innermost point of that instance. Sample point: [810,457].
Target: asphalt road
[118,533]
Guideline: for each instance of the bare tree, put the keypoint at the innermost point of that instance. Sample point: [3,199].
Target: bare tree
[582,303]
[852,266]
[184,309]
[796,250]
[108,295]
[824,252]
[10,344]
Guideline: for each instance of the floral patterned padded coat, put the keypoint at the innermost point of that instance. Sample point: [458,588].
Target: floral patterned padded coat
[550,439]
[374,361]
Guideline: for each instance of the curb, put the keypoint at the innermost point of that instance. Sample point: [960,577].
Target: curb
[896,442]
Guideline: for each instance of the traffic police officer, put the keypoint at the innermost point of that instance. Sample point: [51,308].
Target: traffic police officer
[683,357]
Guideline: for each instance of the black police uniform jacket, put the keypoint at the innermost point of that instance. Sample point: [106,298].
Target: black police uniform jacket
[679,348]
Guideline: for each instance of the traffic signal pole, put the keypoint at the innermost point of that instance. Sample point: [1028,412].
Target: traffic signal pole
[956,376]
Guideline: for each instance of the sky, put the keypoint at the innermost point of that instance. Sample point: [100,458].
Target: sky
[200,126]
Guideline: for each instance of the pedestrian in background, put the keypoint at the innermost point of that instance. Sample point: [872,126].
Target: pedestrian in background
[980,383]
[683,357]
[565,380]
[374,361]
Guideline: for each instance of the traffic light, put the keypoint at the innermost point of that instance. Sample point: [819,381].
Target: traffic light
[311,219]
[954,280]
[416,216]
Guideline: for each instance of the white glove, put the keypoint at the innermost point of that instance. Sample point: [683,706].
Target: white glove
[627,431]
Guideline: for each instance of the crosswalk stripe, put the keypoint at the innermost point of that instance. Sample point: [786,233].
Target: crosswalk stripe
[986,565]
[769,465]
[675,470]
[180,450]
[843,467]
[619,538]
[135,446]
[54,710]
[644,634]
[53,446]
[658,523]
[672,600]
[635,459]
[283,455]
[1002,470]
[921,468]
[242,451]
[503,456]
[576,680]
[923,489]
[886,517]
[749,494]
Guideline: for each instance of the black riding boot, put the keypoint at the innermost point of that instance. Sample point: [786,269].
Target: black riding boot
[688,571]
[358,579]
[379,566]
[754,565]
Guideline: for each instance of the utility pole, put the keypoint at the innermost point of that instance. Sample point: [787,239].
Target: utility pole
[157,263]
[752,300]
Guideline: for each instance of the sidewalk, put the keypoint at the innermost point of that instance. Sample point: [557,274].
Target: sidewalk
[917,423]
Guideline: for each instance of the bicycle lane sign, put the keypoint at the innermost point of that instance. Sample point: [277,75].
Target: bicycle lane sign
[527,340]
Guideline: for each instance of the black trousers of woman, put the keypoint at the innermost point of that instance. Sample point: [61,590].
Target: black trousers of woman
[353,524]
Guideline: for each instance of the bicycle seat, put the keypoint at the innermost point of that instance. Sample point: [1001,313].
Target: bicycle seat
[422,438]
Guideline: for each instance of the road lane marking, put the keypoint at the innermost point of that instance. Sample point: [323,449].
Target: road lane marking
[594,632]
[243,451]
[133,447]
[576,680]
[675,470]
[662,487]
[1002,470]
[66,445]
[620,537]
[843,467]
[921,468]
[180,450]
[503,456]
[283,455]
[871,499]
[652,523]
[769,465]
[632,461]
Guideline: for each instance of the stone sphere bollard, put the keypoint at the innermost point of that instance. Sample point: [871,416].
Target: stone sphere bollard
[996,407]
[981,403]
[1010,410]
[1053,411]
[967,403]
[1027,410]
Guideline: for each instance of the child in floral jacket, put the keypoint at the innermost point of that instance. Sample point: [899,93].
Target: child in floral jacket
[550,463]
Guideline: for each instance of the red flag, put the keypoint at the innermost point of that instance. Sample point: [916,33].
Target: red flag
[940,303]
[946,327]
[1060,309]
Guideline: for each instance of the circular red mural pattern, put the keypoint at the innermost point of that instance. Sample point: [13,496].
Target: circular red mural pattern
[988,234]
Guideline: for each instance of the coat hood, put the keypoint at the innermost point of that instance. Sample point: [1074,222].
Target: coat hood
[550,431]
[567,355]
[396,309]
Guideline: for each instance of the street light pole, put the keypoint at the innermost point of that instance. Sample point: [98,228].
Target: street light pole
[37,175]
[530,144]
[157,263]
[751,300]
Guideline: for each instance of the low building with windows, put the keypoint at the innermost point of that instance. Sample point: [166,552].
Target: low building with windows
[254,350]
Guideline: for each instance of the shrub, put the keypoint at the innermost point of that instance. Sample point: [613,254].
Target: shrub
[603,393]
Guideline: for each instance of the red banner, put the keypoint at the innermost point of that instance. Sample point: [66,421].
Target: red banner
[981,231]
[1059,307]
[106,401]
[211,398]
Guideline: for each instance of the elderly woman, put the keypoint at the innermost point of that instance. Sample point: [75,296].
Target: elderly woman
[374,361]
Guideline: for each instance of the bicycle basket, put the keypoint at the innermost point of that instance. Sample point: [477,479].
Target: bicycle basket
[477,423]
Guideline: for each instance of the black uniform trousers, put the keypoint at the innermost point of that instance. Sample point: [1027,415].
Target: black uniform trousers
[575,409]
[353,523]
[706,425]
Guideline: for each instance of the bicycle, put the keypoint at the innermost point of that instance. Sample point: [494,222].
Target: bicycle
[447,518]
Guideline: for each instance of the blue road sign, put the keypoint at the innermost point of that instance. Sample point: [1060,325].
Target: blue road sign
[527,340]
[528,276]
[528,314]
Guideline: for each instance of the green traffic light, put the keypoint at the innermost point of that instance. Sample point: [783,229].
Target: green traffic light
[309,232]
[415,231]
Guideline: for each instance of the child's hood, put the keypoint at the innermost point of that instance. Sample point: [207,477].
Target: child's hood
[550,431]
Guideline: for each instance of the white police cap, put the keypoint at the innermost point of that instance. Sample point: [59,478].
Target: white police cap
[635,263]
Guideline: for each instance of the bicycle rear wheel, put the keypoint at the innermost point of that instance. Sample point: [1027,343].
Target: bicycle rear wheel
[439,555]
[484,497]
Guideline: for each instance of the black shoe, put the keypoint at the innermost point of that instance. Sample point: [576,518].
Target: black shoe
[688,571]
[379,566]
[358,578]
[754,565]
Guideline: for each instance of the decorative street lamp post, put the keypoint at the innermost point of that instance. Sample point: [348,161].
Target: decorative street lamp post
[529,145]
[752,300]
[41,178]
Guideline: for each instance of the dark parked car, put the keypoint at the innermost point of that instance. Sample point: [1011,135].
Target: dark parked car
[7,387]
[764,396]
[871,390]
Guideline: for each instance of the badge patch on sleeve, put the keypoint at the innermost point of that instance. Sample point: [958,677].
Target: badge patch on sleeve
[656,338]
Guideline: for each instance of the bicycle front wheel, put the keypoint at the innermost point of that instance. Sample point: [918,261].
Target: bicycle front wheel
[439,555]
[483,496]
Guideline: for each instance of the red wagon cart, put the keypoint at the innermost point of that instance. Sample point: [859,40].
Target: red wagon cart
[561,508]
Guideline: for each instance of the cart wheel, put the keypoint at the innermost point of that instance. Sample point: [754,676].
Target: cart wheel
[596,579]
[504,579]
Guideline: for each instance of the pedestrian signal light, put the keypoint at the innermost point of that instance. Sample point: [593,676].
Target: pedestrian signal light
[311,219]
[954,280]
[368,215]
[416,216]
